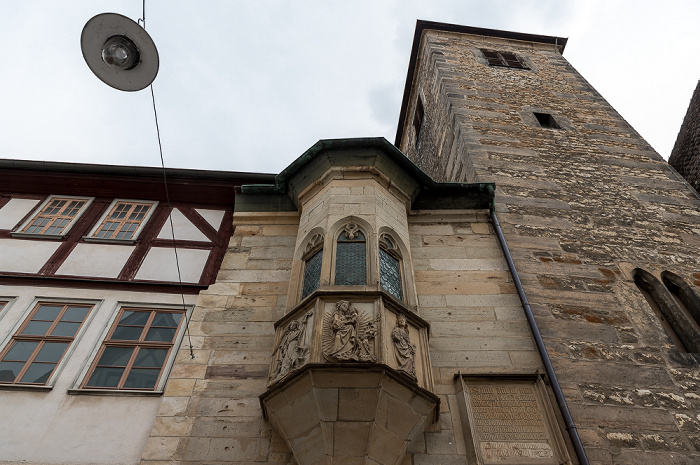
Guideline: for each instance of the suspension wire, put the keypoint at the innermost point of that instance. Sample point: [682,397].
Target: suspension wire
[170,208]
[172,228]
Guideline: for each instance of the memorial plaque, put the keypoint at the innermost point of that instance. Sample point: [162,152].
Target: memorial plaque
[507,423]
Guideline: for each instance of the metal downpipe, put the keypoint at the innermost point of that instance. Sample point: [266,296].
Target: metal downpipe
[570,426]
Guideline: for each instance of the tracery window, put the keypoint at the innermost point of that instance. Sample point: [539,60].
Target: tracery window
[669,305]
[351,256]
[312,266]
[390,267]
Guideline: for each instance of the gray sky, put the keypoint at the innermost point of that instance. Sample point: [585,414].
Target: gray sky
[250,85]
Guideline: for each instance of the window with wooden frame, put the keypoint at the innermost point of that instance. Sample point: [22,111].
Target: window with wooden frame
[507,59]
[351,256]
[135,351]
[55,216]
[123,221]
[41,342]
[2,304]
[390,266]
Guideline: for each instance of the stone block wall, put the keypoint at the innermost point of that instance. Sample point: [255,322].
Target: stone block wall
[581,207]
[477,323]
[210,413]
[685,156]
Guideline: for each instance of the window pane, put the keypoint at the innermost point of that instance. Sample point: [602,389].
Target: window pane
[10,370]
[38,373]
[150,358]
[170,320]
[65,328]
[37,328]
[47,312]
[390,273]
[127,333]
[105,377]
[75,314]
[51,352]
[142,378]
[21,351]
[350,263]
[134,318]
[116,356]
[161,334]
[312,274]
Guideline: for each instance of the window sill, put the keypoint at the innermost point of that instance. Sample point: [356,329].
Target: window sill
[109,241]
[113,392]
[37,236]
[25,387]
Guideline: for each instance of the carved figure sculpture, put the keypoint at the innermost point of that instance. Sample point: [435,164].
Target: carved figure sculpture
[292,350]
[403,349]
[344,326]
[347,335]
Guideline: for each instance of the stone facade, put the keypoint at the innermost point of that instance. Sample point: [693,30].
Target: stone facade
[585,208]
[324,409]
[685,156]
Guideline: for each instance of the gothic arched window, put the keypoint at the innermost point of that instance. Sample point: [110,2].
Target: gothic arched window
[312,265]
[351,256]
[390,266]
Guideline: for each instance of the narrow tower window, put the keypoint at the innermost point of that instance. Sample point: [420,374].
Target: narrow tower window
[418,118]
[351,257]
[507,59]
[547,121]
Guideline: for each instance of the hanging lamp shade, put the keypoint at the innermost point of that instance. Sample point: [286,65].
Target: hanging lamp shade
[119,52]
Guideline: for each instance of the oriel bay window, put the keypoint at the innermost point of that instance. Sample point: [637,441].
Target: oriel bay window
[41,342]
[135,350]
[351,257]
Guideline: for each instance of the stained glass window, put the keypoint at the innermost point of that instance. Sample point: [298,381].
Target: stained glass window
[312,273]
[390,268]
[351,257]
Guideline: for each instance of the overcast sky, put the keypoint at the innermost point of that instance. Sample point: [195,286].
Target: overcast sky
[250,85]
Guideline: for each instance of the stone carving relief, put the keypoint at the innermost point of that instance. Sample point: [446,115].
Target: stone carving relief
[292,351]
[348,335]
[403,349]
[351,231]
[315,240]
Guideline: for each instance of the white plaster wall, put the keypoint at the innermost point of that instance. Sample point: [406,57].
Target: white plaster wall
[54,427]
[100,260]
[14,211]
[184,229]
[23,256]
[160,264]
[213,217]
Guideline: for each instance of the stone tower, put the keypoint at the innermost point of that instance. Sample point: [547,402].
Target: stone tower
[685,156]
[604,234]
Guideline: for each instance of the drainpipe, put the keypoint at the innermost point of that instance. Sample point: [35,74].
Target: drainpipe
[554,382]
